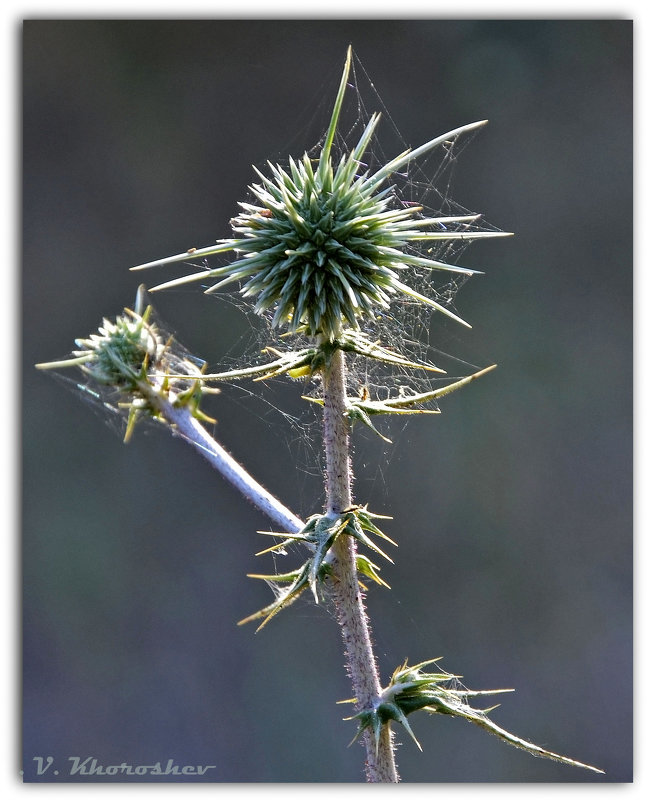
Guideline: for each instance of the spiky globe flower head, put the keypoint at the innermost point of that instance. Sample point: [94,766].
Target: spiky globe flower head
[325,244]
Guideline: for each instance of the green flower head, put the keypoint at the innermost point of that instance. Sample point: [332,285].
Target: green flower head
[325,243]
[122,351]
[146,367]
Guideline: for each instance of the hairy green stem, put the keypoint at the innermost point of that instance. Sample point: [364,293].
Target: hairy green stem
[352,616]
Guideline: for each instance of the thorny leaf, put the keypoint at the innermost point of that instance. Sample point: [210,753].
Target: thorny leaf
[411,689]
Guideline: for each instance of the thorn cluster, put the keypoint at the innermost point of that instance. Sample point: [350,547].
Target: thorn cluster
[319,534]
[412,689]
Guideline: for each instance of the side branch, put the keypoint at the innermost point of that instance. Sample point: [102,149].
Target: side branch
[194,433]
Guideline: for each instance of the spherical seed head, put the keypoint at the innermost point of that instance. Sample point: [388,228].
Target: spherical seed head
[319,246]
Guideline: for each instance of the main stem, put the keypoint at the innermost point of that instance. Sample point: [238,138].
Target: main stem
[352,616]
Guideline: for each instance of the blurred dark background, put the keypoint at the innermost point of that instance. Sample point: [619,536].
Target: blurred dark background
[513,509]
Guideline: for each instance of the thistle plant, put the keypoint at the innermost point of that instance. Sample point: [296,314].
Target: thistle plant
[322,248]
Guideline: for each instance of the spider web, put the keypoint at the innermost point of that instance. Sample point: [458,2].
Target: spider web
[410,328]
